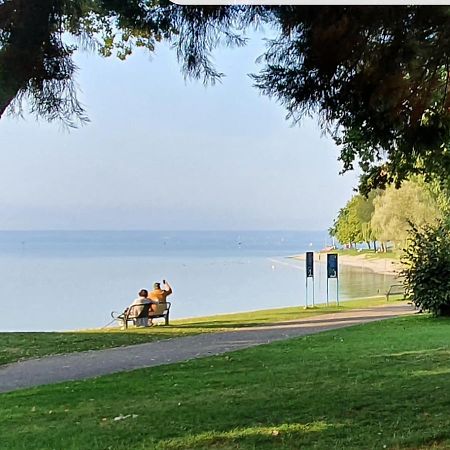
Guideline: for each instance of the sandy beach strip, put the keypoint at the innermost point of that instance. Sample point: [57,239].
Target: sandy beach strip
[383,266]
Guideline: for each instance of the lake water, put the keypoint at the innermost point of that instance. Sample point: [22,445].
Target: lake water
[62,280]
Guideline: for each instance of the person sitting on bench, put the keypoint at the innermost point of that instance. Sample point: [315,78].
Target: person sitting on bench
[159,295]
[139,309]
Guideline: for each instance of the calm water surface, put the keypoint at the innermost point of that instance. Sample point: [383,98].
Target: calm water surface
[70,280]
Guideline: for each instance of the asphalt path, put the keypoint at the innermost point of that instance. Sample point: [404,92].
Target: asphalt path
[77,366]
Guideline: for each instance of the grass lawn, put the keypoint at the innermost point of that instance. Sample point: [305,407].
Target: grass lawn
[369,254]
[375,386]
[18,346]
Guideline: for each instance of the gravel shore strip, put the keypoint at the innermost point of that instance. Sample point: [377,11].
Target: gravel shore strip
[78,366]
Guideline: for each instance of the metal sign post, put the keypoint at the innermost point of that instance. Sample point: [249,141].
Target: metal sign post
[309,274]
[332,272]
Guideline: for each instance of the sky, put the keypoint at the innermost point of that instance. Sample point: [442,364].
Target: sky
[163,153]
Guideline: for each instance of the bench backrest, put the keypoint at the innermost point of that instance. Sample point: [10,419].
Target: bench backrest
[140,310]
[161,308]
[396,289]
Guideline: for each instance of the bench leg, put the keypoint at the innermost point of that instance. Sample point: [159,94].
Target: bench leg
[167,319]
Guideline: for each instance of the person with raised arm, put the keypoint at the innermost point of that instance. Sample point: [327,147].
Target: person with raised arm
[159,295]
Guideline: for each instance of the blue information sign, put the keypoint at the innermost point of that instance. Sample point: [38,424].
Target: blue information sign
[309,264]
[332,265]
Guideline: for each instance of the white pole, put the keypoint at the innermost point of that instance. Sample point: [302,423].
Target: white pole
[306,297]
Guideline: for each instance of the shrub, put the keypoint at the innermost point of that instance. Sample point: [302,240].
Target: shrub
[426,268]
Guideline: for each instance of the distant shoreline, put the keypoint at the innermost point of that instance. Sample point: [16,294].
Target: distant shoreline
[382,266]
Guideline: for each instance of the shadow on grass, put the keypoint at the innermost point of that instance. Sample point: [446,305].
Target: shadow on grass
[245,437]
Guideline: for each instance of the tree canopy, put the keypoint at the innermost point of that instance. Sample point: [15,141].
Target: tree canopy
[398,210]
[38,39]
[389,215]
[353,223]
[377,76]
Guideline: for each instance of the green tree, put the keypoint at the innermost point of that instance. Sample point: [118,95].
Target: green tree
[353,223]
[396,210]
[38,39]
[346,227]
[36,60]
[439,189]
[364,209]
[426,271]
[377,76]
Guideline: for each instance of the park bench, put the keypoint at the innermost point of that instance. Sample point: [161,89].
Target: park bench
[161,311]
[395,289]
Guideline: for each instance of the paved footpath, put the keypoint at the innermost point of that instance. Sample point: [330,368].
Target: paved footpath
[77,366]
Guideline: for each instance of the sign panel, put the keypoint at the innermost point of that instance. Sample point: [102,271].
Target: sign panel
[332,265]
[309,264]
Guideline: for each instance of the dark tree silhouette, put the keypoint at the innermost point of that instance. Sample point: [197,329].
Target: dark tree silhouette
[377,76]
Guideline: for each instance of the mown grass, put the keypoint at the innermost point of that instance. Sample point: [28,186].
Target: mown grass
[370,254]
[375,386]
[19,346]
